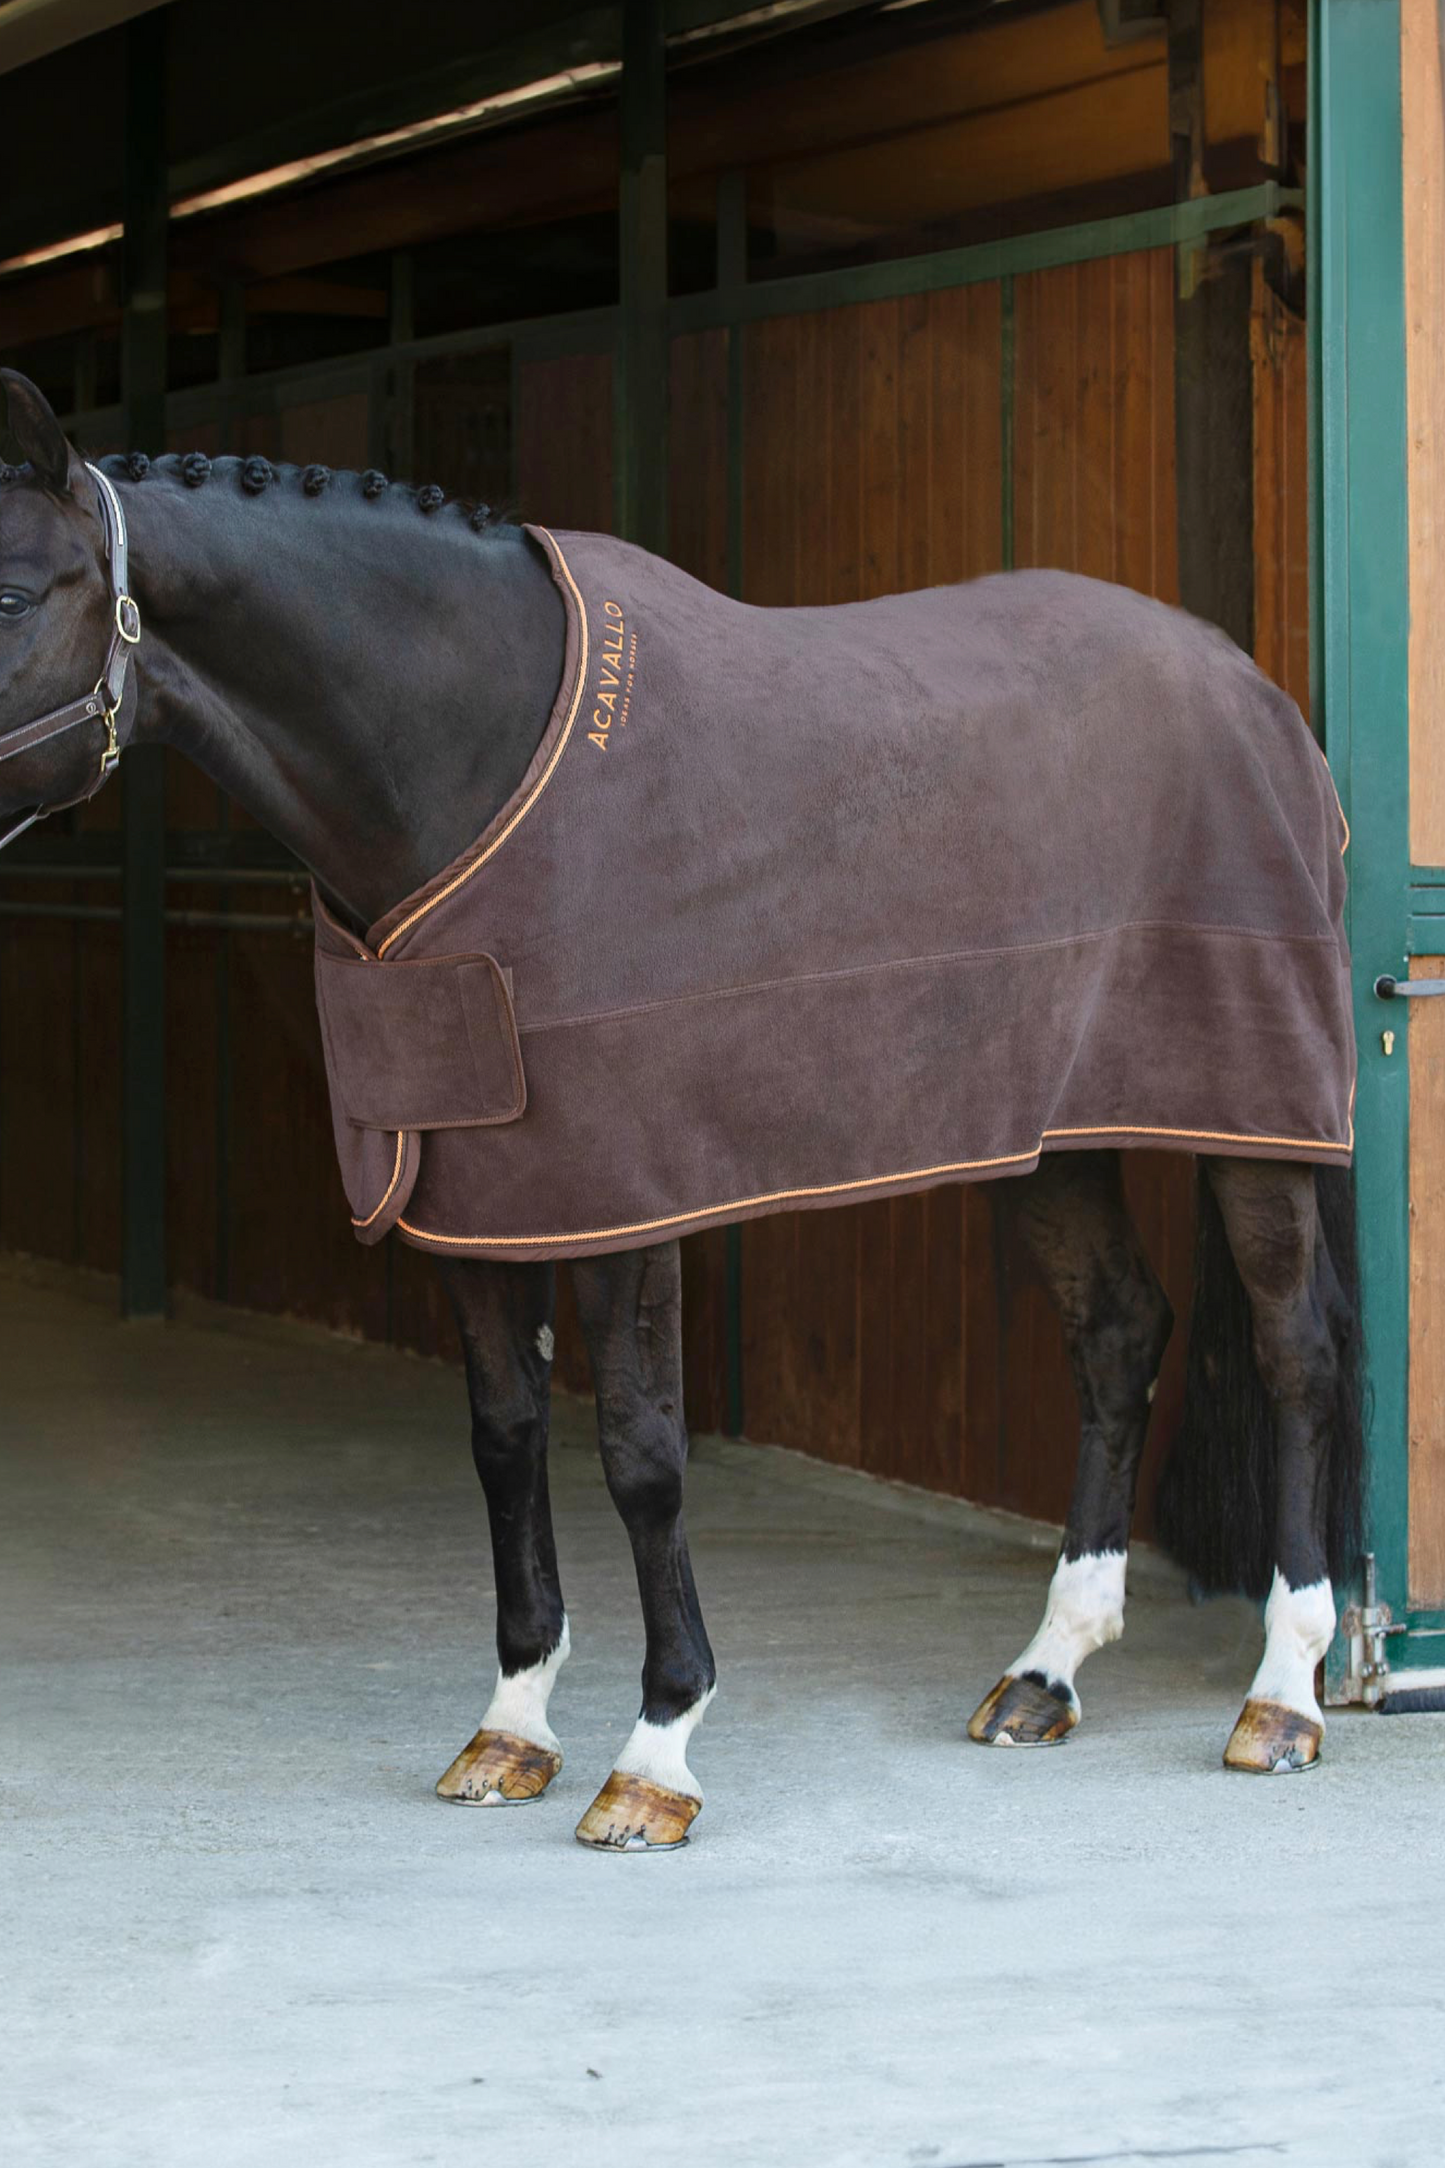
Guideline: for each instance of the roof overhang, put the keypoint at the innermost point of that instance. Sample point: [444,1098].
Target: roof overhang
[29,29]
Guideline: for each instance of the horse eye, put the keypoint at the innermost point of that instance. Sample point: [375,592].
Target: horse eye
[13,604]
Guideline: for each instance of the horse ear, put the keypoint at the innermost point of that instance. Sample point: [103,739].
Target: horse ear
[38,434]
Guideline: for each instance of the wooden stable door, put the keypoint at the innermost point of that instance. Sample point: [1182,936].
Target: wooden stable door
[1378,217]
[1423,136]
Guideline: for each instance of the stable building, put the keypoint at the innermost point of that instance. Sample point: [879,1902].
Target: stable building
[821,300]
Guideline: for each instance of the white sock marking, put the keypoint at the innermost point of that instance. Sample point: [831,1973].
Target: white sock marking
[519,1704]
[1298,1623]
[1085,1610]
[659,1751]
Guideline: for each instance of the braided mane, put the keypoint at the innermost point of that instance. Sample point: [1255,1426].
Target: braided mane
[256,475]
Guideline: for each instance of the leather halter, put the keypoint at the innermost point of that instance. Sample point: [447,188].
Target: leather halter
[102,704]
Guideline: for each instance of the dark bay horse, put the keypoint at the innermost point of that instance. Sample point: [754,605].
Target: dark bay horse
[368,671]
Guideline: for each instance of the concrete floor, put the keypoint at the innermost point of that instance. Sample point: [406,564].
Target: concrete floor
[246,1623]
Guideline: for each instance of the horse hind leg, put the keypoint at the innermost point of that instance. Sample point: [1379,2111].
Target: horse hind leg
[1296,1304]
[506,1317]
[1117,1320]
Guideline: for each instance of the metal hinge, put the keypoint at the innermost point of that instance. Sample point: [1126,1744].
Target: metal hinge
[1367,1627]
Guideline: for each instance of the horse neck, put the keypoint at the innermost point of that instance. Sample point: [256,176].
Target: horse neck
[368,681]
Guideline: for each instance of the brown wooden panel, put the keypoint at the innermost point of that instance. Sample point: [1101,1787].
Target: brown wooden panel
[1424,158]
[259,432]
[326,432]
[1279,346]
[419,1315]
[562,443]
[698,457]
[98,992]
[1240,55]
[1424,166]
[39,1076]
[194,967]
[1427,1293]
[1094,421]
[461,425]
[704,1329]
[983,1349]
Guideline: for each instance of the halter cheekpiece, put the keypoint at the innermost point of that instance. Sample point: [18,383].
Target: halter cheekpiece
[102,703]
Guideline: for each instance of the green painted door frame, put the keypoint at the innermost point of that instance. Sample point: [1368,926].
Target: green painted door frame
[1360,629]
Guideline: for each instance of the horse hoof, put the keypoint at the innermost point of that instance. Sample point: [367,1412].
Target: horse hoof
[497,1769]
[1023,1711]
[1270,1740]
[632,1814]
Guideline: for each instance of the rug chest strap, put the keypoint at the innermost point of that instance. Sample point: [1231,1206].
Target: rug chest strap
[428,1045]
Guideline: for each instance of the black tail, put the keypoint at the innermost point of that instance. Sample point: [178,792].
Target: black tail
[1215,1510]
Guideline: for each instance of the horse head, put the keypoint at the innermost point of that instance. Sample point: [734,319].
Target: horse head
[64,617]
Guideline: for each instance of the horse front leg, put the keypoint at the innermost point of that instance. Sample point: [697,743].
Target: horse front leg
[1117,1320]
[631,1312]
[506,1317]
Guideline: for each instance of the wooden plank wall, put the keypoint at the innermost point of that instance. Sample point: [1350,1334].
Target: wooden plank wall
[900,1337]
[1424,205]
[1423,90]
[1281,492]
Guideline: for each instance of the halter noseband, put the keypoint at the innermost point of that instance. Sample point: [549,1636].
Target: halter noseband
[102,705]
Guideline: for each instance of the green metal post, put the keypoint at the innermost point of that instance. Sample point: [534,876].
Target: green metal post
[643,357]
[143,938]
[1362,628]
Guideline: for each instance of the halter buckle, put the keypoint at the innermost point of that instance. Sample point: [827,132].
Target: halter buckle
[127,620]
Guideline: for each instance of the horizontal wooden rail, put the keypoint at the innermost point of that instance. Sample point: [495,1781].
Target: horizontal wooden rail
[111,913]
[1172,225]
[595,330]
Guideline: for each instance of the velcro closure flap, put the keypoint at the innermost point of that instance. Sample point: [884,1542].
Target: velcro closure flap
[428,1045]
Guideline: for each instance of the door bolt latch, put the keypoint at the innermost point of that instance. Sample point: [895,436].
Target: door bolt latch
[1367,1627]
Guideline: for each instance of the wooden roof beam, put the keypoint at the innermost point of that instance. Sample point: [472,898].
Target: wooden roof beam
[29,29]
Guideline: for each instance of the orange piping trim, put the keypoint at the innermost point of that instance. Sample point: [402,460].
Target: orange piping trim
[543,779]
[391,1185]
[840,1189]
[1334,786]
